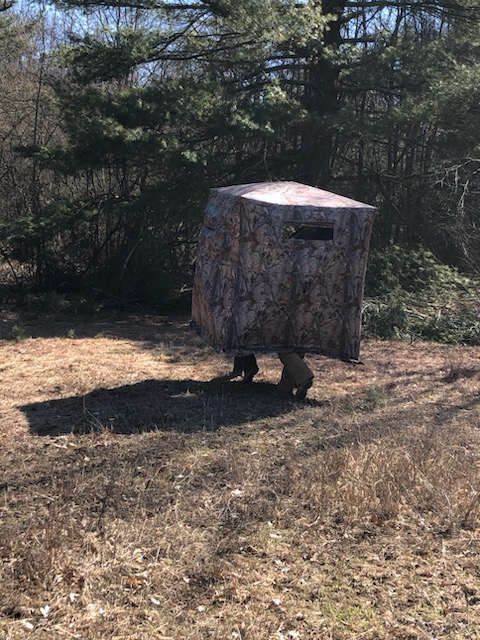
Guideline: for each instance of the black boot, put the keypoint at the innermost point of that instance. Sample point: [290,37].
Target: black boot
[250,368]
[237,368]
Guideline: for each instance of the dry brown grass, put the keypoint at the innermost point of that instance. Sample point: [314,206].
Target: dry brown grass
[141,501]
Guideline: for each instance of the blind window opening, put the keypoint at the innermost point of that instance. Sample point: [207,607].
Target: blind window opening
[307,232]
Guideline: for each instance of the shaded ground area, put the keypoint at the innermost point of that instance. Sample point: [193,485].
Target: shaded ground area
[137,327]
[179,405]
[162,502]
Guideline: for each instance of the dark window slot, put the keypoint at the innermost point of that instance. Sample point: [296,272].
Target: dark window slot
[303,232]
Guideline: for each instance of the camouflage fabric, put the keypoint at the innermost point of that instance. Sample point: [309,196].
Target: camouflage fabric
[281,267]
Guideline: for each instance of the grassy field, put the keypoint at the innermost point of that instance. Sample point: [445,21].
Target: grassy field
[143,497]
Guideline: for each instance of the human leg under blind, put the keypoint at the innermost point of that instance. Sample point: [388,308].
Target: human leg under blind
[295,375]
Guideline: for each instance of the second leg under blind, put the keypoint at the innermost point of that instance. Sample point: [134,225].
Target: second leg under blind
[296,374]
[245,366]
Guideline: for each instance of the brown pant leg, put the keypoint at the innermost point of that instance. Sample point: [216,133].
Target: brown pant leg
[295,371]
[286,381]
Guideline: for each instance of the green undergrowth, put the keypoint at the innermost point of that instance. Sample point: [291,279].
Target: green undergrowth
[409,295]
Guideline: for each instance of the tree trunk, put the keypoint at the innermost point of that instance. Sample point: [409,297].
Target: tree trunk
[322,102]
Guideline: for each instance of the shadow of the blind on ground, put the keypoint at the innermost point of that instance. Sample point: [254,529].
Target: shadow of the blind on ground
[185,406]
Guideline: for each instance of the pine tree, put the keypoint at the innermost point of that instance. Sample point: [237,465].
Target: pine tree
[162,100]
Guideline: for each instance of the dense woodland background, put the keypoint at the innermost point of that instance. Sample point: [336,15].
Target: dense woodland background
[117,116]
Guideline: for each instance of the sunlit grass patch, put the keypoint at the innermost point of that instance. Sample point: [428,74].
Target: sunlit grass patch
[140,500]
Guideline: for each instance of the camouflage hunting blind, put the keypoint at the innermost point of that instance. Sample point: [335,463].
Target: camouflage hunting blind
[281,267]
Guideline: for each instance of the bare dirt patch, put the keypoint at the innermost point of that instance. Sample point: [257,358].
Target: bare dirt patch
[145,497]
